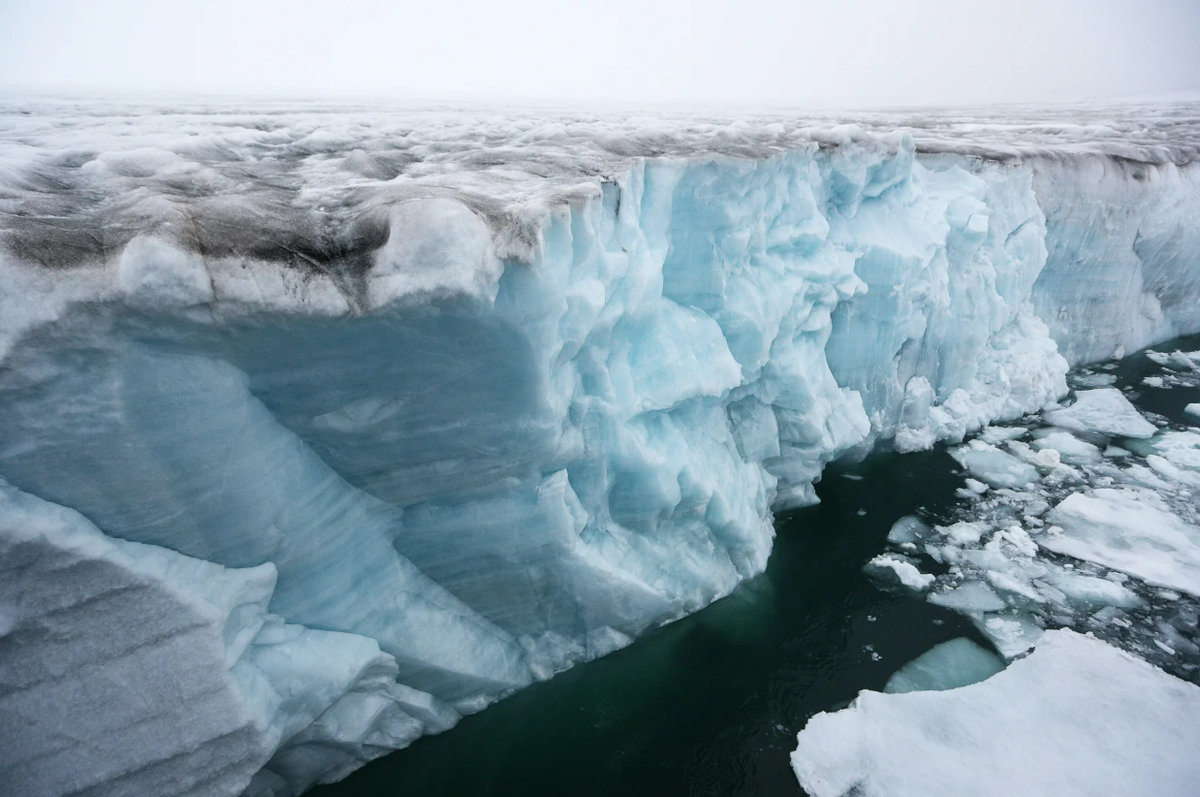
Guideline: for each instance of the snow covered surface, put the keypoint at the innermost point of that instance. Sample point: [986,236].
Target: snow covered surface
[497,392]
[1076,717]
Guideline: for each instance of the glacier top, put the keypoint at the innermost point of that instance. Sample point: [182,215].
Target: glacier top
[307,183]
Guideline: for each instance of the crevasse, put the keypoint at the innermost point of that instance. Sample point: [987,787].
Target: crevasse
[494,469]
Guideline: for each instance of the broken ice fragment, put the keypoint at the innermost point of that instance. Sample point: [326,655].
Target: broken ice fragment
[993,466]
[1130,530]
[1106,411]
[906,572]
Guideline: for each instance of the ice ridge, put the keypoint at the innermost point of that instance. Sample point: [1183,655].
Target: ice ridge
[477,424]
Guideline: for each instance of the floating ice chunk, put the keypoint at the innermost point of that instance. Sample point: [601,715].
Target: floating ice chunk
[1129,530]
[1008,583]
[973,597]
[959,662]
[1018,538]
[1094,380]
[1106,411]
[1093,591]
[1077,718]
[1193,409]
[909,575]
[993,466]
[1177,360]
[1167,468]
[1070,448]
[1012,634]
[1141,476]
[999,434]
[1180,448]
[964,532]
[975,486]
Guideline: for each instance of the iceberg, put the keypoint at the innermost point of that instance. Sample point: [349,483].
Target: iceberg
[458,400]
[1075,717]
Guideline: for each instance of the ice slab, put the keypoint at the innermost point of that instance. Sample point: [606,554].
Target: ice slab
[1070,448]
[993,466]
[959,662]
[1076,717]
[1130,530]
[905,572]
[973,597]
[1104,410]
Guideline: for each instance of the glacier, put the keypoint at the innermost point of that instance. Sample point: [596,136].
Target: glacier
[331,425]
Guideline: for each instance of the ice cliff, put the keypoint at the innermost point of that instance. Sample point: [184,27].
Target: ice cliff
[322,427]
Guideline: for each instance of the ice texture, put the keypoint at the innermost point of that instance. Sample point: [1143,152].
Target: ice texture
[87,618]
[1075,717]
[490,394]
[1130,530]
[1104,410]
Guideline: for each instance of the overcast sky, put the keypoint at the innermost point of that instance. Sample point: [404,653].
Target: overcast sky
[777,52]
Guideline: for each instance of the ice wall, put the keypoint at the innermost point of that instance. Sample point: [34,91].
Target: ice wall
[131,669]
[469,469]
[1124,253]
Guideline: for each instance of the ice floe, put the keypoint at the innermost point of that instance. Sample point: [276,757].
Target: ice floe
[1076,718]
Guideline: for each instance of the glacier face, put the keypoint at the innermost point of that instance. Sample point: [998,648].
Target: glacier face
[375,452]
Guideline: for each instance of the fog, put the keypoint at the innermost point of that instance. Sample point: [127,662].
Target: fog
[748,52]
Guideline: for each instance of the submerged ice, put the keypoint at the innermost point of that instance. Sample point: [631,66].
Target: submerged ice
[381,439]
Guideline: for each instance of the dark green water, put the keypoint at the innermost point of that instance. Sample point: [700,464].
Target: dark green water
[711,704]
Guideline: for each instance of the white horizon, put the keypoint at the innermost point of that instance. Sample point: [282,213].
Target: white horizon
[863,54]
